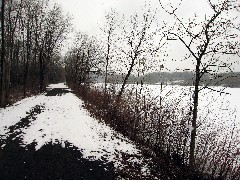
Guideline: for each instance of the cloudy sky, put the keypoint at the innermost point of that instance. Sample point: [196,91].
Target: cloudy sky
[88,15]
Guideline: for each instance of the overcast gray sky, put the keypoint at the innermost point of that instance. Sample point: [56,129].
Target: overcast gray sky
[88,15]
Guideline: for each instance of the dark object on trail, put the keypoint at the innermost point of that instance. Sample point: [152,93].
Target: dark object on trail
[57,92]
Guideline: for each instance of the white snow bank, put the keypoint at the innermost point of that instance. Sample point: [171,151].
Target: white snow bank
[11,115]
[64,119]
[59,85]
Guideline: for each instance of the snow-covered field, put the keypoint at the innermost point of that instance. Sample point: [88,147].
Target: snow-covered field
[212,103]
[64,119]
[220,104]
[218,108]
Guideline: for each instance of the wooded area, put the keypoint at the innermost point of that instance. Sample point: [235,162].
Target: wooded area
[83,60]
[31,37]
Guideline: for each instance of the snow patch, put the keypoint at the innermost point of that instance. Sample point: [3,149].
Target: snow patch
[59,85]
[64,119]
[13,114]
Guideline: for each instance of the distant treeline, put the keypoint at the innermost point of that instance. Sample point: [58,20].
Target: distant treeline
[231,79]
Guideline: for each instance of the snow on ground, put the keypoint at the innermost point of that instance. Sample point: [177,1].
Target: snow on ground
[59,85]
[11,115]
[212,104]
[64,119]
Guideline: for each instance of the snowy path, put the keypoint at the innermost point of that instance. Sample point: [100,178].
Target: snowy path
[53,136]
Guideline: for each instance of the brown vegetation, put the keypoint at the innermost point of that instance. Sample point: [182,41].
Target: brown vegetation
[162,135]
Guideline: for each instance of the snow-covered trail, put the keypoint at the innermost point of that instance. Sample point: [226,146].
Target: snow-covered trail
[58,118]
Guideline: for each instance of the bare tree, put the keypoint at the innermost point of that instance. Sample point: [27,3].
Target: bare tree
[111,25]
[83,60]
[138,43]
[50,32]
[206,46]
[2,88]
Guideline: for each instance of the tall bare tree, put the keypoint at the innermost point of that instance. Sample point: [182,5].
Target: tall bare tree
[111,25]
[83,60]
[2,78]
[138,43]
[206,46]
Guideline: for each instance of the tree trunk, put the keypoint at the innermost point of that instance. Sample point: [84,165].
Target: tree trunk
[194,120]
[107,62]
[28,44]
[2,78]
[41,69]
[25,78]
[125,79]
[9,52]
